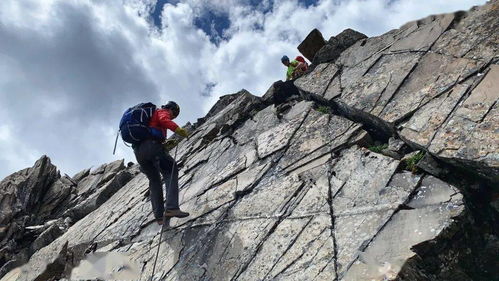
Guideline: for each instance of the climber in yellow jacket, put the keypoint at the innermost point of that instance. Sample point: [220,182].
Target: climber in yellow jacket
[296,68]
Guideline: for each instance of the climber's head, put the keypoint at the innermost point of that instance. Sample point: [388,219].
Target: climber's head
[173,107]
[285,60]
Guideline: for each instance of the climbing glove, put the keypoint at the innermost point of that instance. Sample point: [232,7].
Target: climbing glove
[181,132]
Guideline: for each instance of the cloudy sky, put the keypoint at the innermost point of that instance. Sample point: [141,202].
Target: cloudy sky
[69,68]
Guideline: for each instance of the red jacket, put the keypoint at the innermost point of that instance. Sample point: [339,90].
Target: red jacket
[161,120]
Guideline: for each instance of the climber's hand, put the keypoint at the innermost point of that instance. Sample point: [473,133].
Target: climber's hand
[181,132]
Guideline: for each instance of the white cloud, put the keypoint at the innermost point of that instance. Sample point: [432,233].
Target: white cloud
[14,155]
[68,68]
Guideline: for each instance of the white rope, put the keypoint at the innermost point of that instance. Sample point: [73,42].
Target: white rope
[165,221]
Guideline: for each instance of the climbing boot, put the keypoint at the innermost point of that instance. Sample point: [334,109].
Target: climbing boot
[175,213]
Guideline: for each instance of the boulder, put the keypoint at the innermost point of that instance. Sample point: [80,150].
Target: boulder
[347,38]
[336,45]
[311,44]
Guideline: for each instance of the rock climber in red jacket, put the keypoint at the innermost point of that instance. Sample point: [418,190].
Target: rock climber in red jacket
[154,160]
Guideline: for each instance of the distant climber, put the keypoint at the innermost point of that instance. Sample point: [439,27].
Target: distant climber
[144,126]
[296,68]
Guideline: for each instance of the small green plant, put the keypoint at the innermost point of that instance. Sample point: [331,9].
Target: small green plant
[323,109]
[411,162]
[378,148]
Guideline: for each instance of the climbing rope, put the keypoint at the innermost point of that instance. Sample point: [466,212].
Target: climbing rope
[165,221]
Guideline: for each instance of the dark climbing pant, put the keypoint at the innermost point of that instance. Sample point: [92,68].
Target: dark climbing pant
[153,161]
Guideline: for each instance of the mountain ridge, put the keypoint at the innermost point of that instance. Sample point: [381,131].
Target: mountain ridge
[314,180]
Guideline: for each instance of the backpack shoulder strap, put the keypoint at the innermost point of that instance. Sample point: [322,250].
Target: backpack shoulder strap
[148,104]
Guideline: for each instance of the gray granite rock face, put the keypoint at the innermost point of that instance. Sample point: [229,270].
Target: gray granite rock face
[416,84]
[21,197]
[39,205]
[336,45]
[478,116]
[317,81]
[386,253]
[23,191]
[330,200]
[321,223]
[461,126]
[473,34]
[284,187]
[424,36]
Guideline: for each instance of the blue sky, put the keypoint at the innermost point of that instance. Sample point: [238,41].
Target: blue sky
[69,68]
[214,22]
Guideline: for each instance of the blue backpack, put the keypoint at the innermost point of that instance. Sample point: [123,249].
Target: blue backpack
[134,125]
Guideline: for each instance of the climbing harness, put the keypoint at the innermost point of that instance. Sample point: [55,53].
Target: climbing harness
[165,220]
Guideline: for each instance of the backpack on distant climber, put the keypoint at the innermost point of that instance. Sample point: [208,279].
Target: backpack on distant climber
[304,64]
[134,124]
[300,59]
